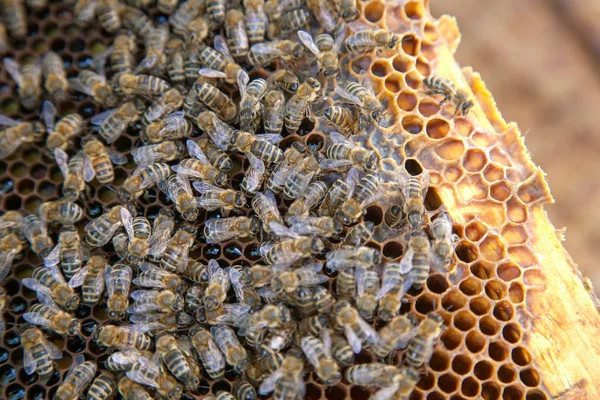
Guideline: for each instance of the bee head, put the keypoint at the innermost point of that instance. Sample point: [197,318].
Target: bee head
[316,245]
[327,112]
[466,106]
[123,194]
[191,214]
[393,41]
[338,226]
[74,328]
[189,229]
[376,256]
[221,180]
[297,51]
[240,200]
[73,302]
[255,225]
[373,162]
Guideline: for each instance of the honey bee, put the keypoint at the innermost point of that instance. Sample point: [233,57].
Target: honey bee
[154,277]
[228,343]
[252,181]
[63,131]
[176,255]
[79,376]
[170,101]
[76,172]
[292,157]
[51,288]
[177,188]
[388,378]
[155,300]
[15,18]
[214,197]
[131,390]
[395,335]
[122,56]
[174,50]
[264,366]
[154,41]
[159,322]
[18,133]
[139,231]
[320,226]
[237,37]
[344,152]
[38,354]
[347,9]
[118,282]
[102,159]
[302,298]
[263,53]
[414,190]
[216,11]
[273,114]
[257,276]
[310,198]
[421,346]
[243,390]
[138,21]
[28,78]
[416,259]
[36,233]
[85,11]
[103,386]
[300,177]
[339,192]
[393,287]
[290,281]
[458,97]
[122,337]
[346,284]
[326,49]
[221,229]
[219,62]
[144,176]
[284,79]
[208,353]
[367,190]
[146,372]
[359,234]
[442,246]
[299,104]
[287,382]
[53,319]
[341,351]
[101,230]
[365,39]
[108,15]
[70,252]
[349,257]
[112,123]
[318,354]
[184,14]
[363,96]
[357,331]
[55,77]
[171,127]
[216,156]
[198,29]
[278,339]
[251,107]
[291,250]
[166,151]
[344,119]
[256,20]
[326,14]
[196,272]
[367,284]
[245,294]
[323,299]
[292,18]
[217,101]
[62,211]
[94,85]
[174,359]
[144,85]
[218,285]
[91,277]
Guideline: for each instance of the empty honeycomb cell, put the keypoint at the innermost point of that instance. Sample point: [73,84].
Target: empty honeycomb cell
[38,171]
[32,204]
[438,128]
[507,374]
[18,170]
[483,139]
[536,394]
[315,142]
[483,370]
[514,234]
[425,304]
[516,211]
[490,391]
[423,66]
[498,351]
[407,100]
[430,30]
[336,392]
[474,160]
[475,230]
[511,333]
[475,342]
[413,79]
[392,250]
[402,63]
[464,320]
[25,187]
[512,393]
[453,301]
[220,386]
[448,383]
[522,256]
[439,361]
[374,214]
[359,393]
[432,200]
[493,173]
[437,283]
[106,195]
[313,391]
[413,167]
[451,149]
[500,191]
[495,290]
[57,45]
[462,364]
[427,108]
[470,286]
[451,338]
[492,249]
[488,325]
[427,381]
[412,124]
[374,11]
[380,68]
[504,311]
[435,396]
[394,83]
[453,174]
[410,44]
[480,305]
[414,9]
[466,252]
[516,293]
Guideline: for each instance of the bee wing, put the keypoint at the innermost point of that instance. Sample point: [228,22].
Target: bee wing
[37,319]
[116,157]
[222,47]
[48,114]
[338,138]
[212,73]
[281,230]
[312,278]
[213,269]
[62,160]
[32,284]
[76,362]
[233,313]
[265,48]
[78,86]
[54,351]
[121,281]
[268,385]
[308,41]
[273,138]
[368,85]
[353,340]
[256,163]
[127,221]
[99,119]
[360,280]
[344,94]
[88,169]
[148,62]
[220,135]
[253,179]
[142,375]
[425,180]
[359,26]
[6,121]
[56,274]
[385,393]
[340,35]
[372,335]
[335,164]
[327,342]
[404,338]
[120,243]
[204,187]
[77,279]
[12,67]
[184,182]
[29,362]
[267,292]
[311,356]
[195,151]
[406,262]
[6,262]
[242,80]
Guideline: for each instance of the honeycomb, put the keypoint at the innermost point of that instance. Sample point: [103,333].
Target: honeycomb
[504,326]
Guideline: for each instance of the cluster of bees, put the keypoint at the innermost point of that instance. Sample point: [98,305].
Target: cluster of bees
[173,319]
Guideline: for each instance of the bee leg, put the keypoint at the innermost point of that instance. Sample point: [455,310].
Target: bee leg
[456,111]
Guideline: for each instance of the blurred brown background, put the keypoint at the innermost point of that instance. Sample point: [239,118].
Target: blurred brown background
[541,60]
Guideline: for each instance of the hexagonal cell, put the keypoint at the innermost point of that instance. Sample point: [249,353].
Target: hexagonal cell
[512,393]
[452,339]
[511,333]
[516,293]
[522,256]
[470,286]
[448,383]
[516,211]
[426,303]
[473,187]
[514,234]
[498,351]
[507,374]
[492,248]
[437,283]
[453,174]
[483,370]
[536,394]
[427,381]
[464,320]
[453,301]
[480,305]
[439,361]
[336,392]
[470,387]
[394,83]
[466,252]
[474,160]
[504,311]
[482,270]
[412,124]
[451,149]
[437,128]
[500,191]
[493,173]
[407,100]
[475,230]
[392,250]
[380,68]
[475,342]
[313,391]
[374,11]
[488,325]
